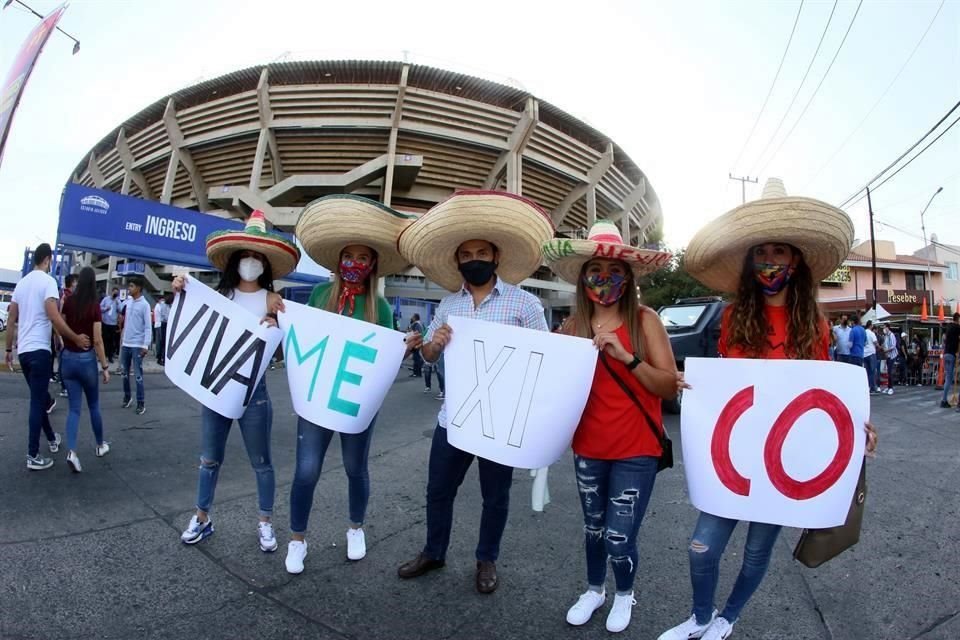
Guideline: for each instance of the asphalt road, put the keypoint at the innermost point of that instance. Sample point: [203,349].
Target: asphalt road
[97,555]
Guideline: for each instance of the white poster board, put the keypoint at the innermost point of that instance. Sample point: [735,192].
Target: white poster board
[515,395]
[776,441]
[339,369]
[216,350]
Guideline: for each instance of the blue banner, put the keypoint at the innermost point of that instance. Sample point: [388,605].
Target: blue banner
[124,226]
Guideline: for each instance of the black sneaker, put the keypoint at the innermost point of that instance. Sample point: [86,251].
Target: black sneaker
[944,405]
[141,409]
[127,402]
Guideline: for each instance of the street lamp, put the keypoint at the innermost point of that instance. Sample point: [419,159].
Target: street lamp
[926,248]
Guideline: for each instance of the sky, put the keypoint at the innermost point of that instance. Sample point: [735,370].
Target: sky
[678,85]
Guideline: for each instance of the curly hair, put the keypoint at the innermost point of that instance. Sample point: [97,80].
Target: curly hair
[748,324]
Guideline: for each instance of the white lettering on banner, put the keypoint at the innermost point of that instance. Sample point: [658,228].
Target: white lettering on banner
[173,229]
[133,226]
[339,369]
[776,441]
[228,343]
[522,408]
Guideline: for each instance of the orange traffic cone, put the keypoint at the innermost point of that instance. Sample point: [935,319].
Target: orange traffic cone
[940,311]
[923,310]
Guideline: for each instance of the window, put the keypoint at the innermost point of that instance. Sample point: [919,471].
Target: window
[885,275]
[952,273]
[915,282]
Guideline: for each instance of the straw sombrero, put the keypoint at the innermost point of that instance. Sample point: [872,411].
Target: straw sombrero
[567,256]
[516,225]
[330,223]
[282,254]
[821,231]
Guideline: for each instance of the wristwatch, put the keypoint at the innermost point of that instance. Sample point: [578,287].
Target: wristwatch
[633,364]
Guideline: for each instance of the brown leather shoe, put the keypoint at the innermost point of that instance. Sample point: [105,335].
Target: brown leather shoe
[486,576]
[418,566]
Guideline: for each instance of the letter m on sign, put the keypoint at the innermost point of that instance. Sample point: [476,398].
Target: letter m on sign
[293,347]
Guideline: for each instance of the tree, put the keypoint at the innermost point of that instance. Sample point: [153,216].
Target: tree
[666,285]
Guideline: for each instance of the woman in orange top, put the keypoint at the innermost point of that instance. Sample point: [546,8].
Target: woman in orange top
[770,253]
[618,441]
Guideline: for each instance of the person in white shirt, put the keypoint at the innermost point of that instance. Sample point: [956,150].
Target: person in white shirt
[890,353]
[33,313]
[161,313]
[137,332]
[870,357]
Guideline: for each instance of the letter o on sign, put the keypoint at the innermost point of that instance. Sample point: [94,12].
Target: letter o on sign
[772,450]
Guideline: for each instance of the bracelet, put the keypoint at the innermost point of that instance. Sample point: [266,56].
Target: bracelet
[9,350]
[634,363]
[272,316]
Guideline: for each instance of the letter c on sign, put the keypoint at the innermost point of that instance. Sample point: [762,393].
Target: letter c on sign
[772,450]
[720,444]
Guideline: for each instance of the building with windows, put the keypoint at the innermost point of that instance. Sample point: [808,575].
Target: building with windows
[949,256]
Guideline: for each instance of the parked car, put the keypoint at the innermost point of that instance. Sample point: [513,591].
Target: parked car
[4,314]
[693,325]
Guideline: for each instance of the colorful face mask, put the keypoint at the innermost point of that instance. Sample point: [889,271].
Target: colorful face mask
[604,288]
[773,277]
[354,272]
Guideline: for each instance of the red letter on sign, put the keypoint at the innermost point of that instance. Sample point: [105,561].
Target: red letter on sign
[720,445]
[772,451]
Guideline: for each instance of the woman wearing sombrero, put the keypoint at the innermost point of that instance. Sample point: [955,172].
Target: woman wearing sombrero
[356,240]
[249,261]
[618,441]
[769,253]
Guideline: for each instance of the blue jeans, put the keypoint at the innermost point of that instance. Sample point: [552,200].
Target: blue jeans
[949,362]
[710,538]
[870,364]
[37,367]
[81,374]
[128,354]
[614,495]
[255,426]
[312,443]
[448,466]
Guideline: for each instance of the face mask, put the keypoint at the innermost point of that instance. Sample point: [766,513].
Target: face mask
[354,272]
[477,272]
[250,269]
[773,277]
[604,288]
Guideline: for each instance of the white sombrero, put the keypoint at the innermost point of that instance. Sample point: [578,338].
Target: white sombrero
[330,223]
[821,231]
[282,254]
[567,256]
[516,225]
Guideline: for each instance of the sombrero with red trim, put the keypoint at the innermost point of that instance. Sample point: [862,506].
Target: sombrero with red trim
[282,254]
[566,256]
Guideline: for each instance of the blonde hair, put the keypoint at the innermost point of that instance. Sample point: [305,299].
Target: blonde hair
[372,283]
[628,306]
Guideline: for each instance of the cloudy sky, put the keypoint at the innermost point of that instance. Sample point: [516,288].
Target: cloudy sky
[678,85]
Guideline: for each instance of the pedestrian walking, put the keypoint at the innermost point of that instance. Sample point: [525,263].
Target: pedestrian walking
[416,327]
[136,336]
[841,338]
[429,368]
[69,283]
[109,315]
[870,357]
[161,314]
[951,346]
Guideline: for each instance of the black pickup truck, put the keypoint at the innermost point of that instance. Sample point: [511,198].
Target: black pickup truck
[693,325]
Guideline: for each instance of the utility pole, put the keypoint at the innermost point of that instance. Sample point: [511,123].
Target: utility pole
[926,247]
[873,250]
[743,185]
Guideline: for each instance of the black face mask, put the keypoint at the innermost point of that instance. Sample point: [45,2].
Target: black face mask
[477,272]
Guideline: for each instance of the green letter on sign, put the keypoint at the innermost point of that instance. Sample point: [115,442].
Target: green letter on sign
[302,357]
[351,350]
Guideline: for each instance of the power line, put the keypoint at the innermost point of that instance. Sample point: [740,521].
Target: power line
[802,81]
[772,85]
[814,94]
[902,156]
[879,100]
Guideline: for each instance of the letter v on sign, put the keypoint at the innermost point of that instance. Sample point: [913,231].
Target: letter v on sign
[480,395]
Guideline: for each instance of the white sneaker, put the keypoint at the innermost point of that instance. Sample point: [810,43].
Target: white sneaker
[583,609]
[720,629]
[296,552]
[103,449]
[74,462]
[268,541]
[619,616]
[356,544]
[55,443]
[196,530]
[688,629]
[889,392]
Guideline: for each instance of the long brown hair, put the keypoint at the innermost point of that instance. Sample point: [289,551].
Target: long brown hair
[628,307]
[748,324]
[373,291]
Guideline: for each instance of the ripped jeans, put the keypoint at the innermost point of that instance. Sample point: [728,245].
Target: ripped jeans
[614,496]
[709,540]
[255,425]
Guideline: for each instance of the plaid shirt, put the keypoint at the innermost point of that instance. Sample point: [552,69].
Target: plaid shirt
[506,304]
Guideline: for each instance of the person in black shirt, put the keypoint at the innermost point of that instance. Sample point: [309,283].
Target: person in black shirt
[951,343]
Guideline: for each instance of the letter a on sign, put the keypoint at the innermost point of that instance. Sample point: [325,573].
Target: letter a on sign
[777,441]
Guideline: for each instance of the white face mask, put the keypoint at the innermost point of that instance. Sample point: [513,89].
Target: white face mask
[250,269]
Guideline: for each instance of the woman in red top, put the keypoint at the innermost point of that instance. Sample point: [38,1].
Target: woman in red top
[615,447]
[770,253]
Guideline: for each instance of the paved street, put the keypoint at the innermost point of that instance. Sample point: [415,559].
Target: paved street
[97,555]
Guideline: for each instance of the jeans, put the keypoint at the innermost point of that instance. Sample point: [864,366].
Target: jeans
[81,374]
[614,495]
[312,443]
[843,357]
[160,340]
[949,363]
[428,369]
[417,363]
[870,364]
[255,426]
[448,466]
[710,538]
[37,367]
[891,371]
[855,360]
[128,354]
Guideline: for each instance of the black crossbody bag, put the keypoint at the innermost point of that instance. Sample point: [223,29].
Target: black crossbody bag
[660,433]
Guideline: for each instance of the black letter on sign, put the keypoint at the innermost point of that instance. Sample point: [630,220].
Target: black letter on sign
[174,341]
[192,363]
[256,349]
[213,369]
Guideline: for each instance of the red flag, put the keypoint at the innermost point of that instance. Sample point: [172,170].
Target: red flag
[16,80]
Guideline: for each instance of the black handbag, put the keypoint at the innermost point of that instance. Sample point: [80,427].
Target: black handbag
[665,461]
[817,546]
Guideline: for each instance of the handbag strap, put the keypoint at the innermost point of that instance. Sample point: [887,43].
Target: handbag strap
[657,433]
